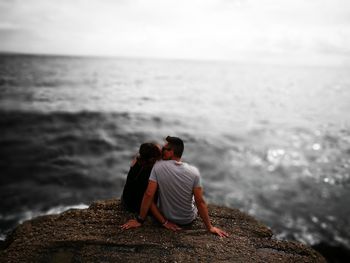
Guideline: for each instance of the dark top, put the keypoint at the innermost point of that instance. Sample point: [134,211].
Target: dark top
[135,186]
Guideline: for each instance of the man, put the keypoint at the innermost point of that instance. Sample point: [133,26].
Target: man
[178,184]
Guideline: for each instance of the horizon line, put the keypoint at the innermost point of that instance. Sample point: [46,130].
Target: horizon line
[273,61]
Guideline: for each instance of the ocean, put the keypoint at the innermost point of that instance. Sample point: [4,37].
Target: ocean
[270,140]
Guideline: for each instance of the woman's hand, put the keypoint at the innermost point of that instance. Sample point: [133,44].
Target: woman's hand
[171,226]
[132,223]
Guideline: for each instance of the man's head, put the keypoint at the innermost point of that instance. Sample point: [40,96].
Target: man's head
[173,149]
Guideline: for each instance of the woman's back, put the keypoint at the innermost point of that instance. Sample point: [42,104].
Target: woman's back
[138,175]
[135,186]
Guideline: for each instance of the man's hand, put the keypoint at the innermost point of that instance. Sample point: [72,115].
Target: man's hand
[171,226]
[132,223]
[218,231]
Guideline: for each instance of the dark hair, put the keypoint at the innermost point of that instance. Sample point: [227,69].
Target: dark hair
[176,144]
[149,153]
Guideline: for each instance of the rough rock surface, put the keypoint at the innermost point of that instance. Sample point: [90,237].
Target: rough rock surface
[94,235]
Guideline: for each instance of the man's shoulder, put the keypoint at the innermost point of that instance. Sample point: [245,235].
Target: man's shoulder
[176,165]
[161,163]
[193,169]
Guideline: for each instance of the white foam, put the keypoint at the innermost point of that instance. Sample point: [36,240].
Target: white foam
[27,215]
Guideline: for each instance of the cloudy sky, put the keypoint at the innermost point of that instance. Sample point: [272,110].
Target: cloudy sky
[195,29]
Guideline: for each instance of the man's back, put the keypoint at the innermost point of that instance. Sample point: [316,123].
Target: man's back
[176,181]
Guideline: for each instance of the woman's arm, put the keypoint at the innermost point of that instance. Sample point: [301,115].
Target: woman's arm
[161,219]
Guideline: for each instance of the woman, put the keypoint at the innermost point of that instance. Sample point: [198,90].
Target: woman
[138,175]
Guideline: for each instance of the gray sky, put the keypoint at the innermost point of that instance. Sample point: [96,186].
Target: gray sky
[199,29]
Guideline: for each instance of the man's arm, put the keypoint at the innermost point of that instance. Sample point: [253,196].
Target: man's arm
[203,212]
[145,205]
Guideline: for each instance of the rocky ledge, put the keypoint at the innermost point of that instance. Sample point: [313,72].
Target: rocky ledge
[94,235]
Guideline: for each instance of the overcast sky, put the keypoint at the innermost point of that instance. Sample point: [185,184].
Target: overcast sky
[200,29]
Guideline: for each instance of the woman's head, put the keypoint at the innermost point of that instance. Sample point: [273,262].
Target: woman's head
[149,153]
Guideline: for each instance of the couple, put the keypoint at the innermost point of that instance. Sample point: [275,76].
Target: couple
[166,188]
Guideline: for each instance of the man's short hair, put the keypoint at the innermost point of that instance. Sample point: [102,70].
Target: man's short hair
[176,144]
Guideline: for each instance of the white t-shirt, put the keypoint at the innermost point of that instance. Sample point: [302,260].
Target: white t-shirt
[176,181]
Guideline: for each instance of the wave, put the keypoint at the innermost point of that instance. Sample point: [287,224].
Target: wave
[73,155]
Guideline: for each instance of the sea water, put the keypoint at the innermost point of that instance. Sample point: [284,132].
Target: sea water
[271,140]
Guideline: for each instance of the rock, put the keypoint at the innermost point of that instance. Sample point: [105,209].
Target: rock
[94,235]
